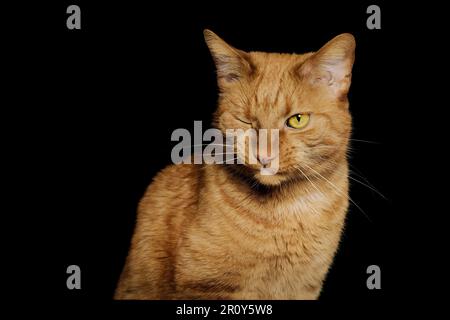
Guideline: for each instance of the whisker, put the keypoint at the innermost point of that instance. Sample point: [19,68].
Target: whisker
[219,154]
[357,172]
[315,187]
[366,141]
[366,185]
[226,161]
[340,192]
[212,144]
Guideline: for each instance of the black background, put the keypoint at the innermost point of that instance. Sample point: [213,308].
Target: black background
[101,104]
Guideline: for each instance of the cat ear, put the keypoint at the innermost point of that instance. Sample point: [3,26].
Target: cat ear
[231,63]
[332,64]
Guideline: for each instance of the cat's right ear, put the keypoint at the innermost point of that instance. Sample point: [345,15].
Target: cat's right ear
[232,64]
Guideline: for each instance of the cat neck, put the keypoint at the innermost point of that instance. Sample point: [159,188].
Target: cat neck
[294,201]
[241,186]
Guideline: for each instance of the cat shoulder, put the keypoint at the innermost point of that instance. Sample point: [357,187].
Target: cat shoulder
[177,174]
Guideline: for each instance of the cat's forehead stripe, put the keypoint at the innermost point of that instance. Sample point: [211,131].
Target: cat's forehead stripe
[273,93]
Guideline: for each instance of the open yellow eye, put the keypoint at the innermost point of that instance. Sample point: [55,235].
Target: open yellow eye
[298,121]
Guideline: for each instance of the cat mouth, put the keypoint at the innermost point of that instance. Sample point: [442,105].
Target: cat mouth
[267,171]
[257,170]
[269,176]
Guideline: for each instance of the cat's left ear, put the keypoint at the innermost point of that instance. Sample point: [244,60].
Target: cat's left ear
[331,66]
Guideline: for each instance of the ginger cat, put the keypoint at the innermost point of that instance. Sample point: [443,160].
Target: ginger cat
[225,231]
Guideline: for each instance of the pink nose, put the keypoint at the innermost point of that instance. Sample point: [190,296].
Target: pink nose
[265,160]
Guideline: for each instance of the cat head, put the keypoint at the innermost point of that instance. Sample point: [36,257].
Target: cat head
[302,96]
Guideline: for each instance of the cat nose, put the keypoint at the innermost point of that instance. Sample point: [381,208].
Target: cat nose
[265,160]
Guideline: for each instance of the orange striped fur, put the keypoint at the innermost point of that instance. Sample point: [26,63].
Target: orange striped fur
[228,232]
